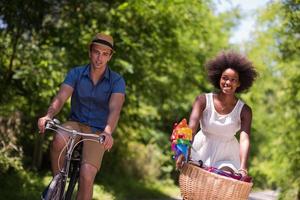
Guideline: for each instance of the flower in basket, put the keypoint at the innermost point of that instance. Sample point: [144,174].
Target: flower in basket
[181,139]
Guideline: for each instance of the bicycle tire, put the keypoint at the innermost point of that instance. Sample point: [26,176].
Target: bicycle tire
[55,188]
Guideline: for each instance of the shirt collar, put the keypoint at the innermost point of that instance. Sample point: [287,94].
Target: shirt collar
[88,69]
[106,73]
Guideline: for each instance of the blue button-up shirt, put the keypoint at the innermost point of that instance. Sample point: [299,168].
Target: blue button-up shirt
[89,102]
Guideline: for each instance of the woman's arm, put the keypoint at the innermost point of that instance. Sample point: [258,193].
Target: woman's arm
[246,119]
[196,114]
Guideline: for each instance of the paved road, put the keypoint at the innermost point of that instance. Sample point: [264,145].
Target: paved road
[264,195]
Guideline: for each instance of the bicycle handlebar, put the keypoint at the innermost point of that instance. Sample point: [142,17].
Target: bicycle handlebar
[54,124]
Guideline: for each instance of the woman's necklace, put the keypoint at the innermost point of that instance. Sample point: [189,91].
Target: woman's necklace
[225,106]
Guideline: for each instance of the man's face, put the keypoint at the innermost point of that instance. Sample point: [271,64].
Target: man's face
[99,56]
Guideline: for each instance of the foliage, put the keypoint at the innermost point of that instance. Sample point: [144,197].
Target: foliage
[20,184]
[166,58]
[160,50]
[10,153]
[275,49]
[290,140]
[28,185]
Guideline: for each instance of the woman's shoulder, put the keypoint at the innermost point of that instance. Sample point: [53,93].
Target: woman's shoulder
[204,96]
[246,110]
[201,100]
[201,97]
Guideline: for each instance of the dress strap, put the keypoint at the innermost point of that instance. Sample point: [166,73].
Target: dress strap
[239,107]
[208,97]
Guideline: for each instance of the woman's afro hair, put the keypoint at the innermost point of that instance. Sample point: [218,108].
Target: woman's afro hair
[216,66]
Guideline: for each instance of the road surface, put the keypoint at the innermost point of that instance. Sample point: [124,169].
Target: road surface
[264,195]
[261,195]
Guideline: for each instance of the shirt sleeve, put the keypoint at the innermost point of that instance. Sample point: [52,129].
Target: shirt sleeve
[119,86]
[71,78]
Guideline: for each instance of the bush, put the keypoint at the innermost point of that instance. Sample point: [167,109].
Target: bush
[10,153]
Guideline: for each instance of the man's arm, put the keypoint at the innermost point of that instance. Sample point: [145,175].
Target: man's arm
[62,96]
[115,105]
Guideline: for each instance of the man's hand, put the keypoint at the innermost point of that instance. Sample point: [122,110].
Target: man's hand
[108,141]
[42,122]
[179,162]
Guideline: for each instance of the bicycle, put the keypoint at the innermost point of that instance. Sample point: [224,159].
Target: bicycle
[57,187]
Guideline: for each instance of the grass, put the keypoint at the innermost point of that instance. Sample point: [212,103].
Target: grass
[21,185]
[126,188]
[28,185]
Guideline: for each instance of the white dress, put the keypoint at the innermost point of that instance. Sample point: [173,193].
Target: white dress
[215,144]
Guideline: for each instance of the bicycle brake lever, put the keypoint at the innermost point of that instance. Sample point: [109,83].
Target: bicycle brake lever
[101,139]
[56,121]
[49,124]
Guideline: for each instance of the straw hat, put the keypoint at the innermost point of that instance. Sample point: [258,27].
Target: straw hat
[103,40]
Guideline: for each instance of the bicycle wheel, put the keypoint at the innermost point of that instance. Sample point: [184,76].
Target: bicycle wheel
[56,187]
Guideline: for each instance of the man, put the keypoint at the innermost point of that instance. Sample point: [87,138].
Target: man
[98,94]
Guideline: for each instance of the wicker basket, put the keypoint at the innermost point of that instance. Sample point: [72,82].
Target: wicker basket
[196,184]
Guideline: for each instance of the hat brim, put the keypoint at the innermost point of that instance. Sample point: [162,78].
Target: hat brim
[103,42]
[102,45]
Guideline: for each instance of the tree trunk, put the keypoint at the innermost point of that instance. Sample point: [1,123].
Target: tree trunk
[38,151]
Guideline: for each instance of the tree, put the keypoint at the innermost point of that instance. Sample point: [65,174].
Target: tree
[275,48]
[160,50]
[288,153]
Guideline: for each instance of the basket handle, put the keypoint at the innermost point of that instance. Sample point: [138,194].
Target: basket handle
[198,163]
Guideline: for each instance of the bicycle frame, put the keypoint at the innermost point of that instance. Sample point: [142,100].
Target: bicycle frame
[70,145]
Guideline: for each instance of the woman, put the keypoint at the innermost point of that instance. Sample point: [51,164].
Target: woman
[221,115]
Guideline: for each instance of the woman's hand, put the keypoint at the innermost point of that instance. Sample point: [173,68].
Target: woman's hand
[243,172]
[179,162]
